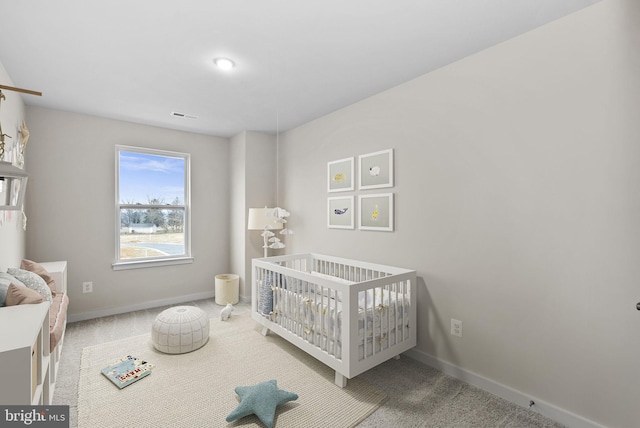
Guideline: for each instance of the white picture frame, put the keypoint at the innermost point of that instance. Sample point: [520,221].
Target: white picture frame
[376,170]
[340,212]
[376,212]
[340,175]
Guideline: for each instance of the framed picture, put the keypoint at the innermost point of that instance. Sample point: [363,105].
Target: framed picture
[340,212]
[376,212]
[340,176]
[376,170]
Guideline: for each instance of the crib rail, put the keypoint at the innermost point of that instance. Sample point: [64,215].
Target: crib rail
[349,314]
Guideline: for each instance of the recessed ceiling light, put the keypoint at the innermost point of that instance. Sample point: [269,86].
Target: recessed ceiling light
[224,63]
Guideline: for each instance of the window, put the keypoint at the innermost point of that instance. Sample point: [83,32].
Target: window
[152,208]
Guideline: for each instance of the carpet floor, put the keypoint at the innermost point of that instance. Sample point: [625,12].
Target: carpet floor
[418,395]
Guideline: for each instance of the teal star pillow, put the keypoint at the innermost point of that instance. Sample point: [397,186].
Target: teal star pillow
[261,400]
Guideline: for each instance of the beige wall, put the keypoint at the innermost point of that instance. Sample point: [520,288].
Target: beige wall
[70,201]
[12,236]
[517,201]
[253,184]
[238,208]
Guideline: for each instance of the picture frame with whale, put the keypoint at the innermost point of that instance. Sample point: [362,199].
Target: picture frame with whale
[340,212]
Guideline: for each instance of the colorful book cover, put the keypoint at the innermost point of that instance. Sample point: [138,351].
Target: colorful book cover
[127,370]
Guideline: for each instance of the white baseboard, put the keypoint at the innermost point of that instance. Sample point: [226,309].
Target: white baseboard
[146,305]
[517,397]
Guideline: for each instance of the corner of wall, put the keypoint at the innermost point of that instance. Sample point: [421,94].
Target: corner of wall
[253,183]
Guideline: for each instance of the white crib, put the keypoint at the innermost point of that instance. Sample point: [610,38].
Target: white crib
[350,315]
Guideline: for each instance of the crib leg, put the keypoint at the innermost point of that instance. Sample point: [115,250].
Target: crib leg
[265,331]
[341,381]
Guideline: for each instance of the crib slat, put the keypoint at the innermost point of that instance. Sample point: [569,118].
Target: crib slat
[405,309]
[373,319]
[405,315]
[366,324]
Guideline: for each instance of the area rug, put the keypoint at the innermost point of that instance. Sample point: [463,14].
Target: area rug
[197,389]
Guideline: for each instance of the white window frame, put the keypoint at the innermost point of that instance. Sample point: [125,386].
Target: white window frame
[121,264]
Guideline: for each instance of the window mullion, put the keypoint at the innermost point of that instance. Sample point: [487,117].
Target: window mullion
[151,207]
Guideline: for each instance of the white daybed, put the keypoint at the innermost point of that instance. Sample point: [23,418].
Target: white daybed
[350,315]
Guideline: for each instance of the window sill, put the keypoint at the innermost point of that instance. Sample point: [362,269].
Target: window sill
[140,264]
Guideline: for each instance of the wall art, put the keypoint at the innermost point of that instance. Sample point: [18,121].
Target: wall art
[376,170]
[340,175]
[376,212]
[340,213]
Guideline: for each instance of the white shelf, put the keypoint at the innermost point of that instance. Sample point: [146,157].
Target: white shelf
[25,326]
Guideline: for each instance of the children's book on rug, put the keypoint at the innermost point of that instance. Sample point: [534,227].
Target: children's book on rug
[127,370]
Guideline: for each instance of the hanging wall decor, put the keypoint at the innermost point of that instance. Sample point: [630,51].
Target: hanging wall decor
[376,170]
[340,176]
[3,136]
[376,212]
[340,212]
[24,137]
[13,179]
[23,140]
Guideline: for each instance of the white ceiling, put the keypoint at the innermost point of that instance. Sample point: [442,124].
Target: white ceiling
[141,60]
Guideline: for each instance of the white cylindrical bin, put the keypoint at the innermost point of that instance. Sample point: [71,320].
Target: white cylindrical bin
[227,289]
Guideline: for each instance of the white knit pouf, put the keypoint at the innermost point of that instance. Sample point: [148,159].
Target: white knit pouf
[180,329]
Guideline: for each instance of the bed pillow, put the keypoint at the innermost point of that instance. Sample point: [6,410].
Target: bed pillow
[5,281]
[17,295]
[271,279]
[40,271]
[3,293]
[266,297]
[32,281]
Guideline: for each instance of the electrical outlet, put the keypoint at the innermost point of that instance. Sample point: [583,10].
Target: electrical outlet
[456,327]
[87,287]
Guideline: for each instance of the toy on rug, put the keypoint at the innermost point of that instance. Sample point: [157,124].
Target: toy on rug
[226,312]
[261,400]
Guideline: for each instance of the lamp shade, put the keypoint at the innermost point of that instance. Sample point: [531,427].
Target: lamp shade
[262,218]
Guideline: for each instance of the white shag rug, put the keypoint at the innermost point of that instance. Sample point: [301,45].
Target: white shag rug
[197,389]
